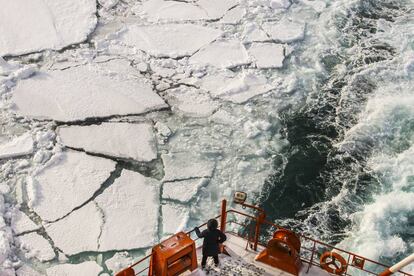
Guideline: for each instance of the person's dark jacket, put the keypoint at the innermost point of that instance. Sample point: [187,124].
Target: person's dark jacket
[212,239]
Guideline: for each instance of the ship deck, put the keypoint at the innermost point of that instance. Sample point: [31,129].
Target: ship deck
[242,262]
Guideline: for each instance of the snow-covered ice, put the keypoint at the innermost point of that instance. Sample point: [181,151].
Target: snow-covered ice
[78,232]
[130,208]
[123,140]
[89,268]
[36,246]
[26,270]
[221,54]
[124,216]
[21,223]
[18,146]
[44,24]
[80,93]
[171,40]
[240,89]
[174,218]
[181,10]
[183,190]
[268,55]
[233,16]
[182,165]
[66,182]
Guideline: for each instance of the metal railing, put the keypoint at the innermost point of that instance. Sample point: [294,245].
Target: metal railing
[311,249]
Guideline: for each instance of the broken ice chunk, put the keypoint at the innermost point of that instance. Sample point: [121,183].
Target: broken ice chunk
[123,140]
[31,26]
[171,40]
[191,101]
[183,190]
[184,165]
[19,146]
[36,246]
[221,54]
[66,182]
[118,262]
[253,33]
[80,93]
[130,207]
[238,90]
[268,55]
[83,269]
[21,223]
[285,31]
[174,218]
[280,4]
[78,232]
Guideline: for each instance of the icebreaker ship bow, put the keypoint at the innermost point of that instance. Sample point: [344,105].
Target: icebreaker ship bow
[252,251]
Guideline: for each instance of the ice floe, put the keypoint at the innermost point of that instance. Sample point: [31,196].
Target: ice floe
[170,40]
[174,218]
[130,209]
[221,54]
[66,182]
[44,24]
[268,55]
[36,246]
[191,101]
[19,146]
[89,268]
[21,223]
[233,16]
[285,31]
[122,140]
[80,93]
[180,166]
[183,190]
[240,89]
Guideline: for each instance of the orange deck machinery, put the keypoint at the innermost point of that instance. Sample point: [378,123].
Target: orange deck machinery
[282,252]
[173,256]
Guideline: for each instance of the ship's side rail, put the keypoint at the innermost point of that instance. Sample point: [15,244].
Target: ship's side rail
[311,249]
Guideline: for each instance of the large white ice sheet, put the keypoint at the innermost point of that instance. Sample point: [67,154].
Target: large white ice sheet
[170,40]
[174,218]
[83,269]
[124,140]
[221,54]
[30,26]
[130,207]
[78,232]
[19,146]
[66,182]
[80,93]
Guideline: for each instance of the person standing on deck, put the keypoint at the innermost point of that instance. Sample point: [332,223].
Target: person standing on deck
[213,237]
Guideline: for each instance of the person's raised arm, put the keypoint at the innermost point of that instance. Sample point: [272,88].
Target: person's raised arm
[198,233]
